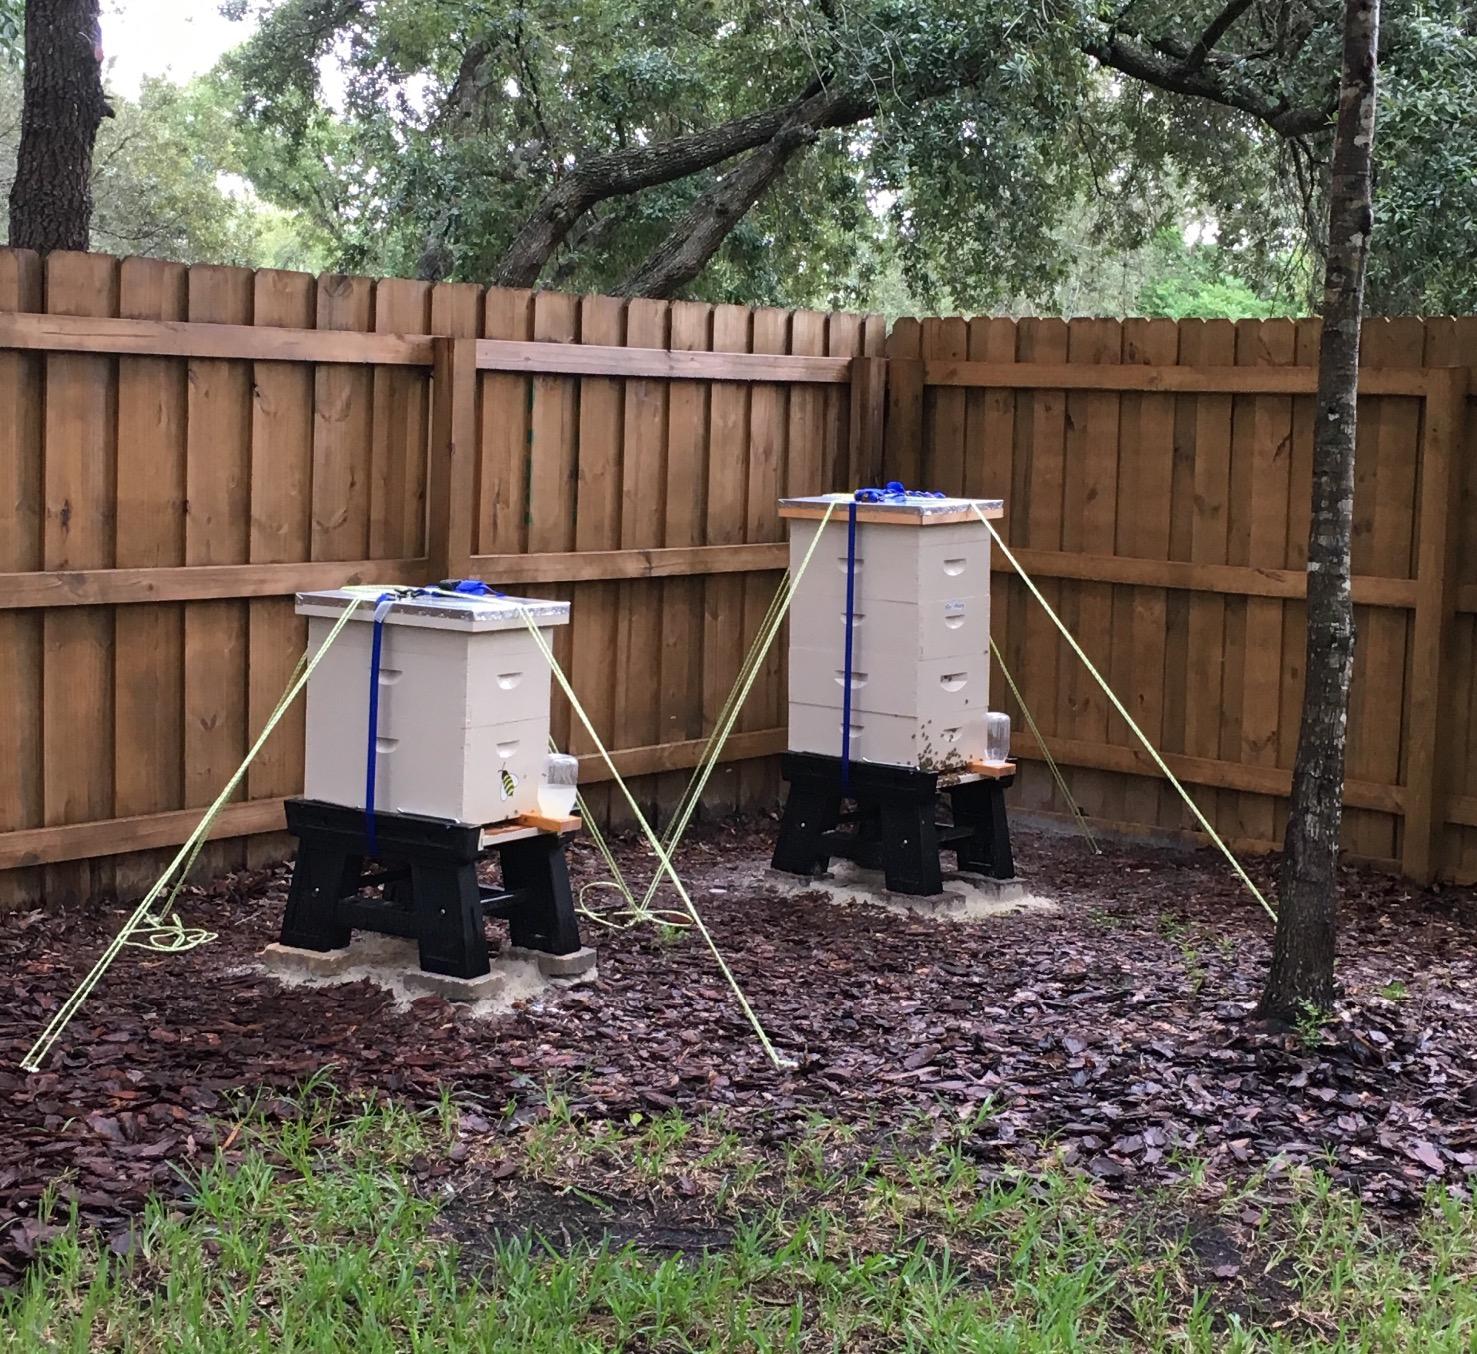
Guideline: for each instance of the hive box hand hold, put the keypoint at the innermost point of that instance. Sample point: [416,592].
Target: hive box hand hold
[919,673]
[463,719]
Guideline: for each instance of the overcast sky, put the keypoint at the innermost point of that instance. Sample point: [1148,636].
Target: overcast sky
[178,38]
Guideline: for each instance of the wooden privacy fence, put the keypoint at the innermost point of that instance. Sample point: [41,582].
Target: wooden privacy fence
[1157,479]
[189,446]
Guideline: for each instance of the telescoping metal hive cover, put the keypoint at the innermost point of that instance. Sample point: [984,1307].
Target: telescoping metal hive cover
[439,611]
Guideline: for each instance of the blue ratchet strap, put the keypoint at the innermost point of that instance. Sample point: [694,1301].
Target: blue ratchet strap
[893,492]
[850,624]
[467,587]
[371,759]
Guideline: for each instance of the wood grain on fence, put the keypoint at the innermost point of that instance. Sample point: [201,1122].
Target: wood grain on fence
[192,445]
[1161,487]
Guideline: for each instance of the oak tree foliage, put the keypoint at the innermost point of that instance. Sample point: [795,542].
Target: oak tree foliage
[575,142]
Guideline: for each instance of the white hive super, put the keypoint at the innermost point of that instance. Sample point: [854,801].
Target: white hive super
[463,705]
[920,664]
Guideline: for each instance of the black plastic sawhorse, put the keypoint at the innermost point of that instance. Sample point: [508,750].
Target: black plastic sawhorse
[893,826]
[428,873]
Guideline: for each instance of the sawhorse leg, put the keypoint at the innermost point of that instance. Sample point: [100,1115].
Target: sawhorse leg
[545,920]
[910,849]
[321,875]
[448,911]
[810,812]
[981,807]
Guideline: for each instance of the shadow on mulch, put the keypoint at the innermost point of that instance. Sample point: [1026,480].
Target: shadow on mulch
[1109,1036]
[1239,1274]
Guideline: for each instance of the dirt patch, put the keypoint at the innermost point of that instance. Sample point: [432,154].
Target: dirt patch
[482,1213]
[1110,1034]
[1236,1266]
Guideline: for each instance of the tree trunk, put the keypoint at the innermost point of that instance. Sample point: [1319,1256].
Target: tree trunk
[697,236]
[51,198]
[1303,951]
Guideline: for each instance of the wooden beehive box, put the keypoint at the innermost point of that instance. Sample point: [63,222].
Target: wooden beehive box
[920,664]
[463,723]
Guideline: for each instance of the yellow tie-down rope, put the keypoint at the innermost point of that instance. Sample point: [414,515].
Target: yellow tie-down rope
[1056,771]
[634,913]
[1128,718]
[738,694]
[166,933]
[662,853]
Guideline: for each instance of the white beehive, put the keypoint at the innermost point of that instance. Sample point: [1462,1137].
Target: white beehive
[463,717]
[920,663]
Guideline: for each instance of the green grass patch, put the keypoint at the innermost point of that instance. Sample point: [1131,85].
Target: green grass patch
[320,1240]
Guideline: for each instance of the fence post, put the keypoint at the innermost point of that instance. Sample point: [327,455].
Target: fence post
[1435,599]
[868,421]
[450,477]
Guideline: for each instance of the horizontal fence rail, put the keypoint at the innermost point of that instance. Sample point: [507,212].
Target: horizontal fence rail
[1210,380]
[161,338]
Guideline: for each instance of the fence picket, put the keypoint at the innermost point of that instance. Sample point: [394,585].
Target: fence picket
[21,550]
[80,496]
[148,645]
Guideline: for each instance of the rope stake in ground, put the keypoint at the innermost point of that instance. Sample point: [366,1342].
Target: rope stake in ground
[1056,771]
[634,913]
[170,936]
[1128,718]
[662,855]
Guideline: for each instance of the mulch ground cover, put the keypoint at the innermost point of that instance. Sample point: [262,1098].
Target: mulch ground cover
[1111,1034]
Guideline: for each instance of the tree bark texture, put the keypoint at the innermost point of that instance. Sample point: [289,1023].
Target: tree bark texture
[685,252]
[51,198]
[1301,973]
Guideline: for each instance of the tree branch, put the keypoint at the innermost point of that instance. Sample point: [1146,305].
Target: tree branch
[1212,35]
[628,171]
[685,251]
[1193,73]
[1178,77]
